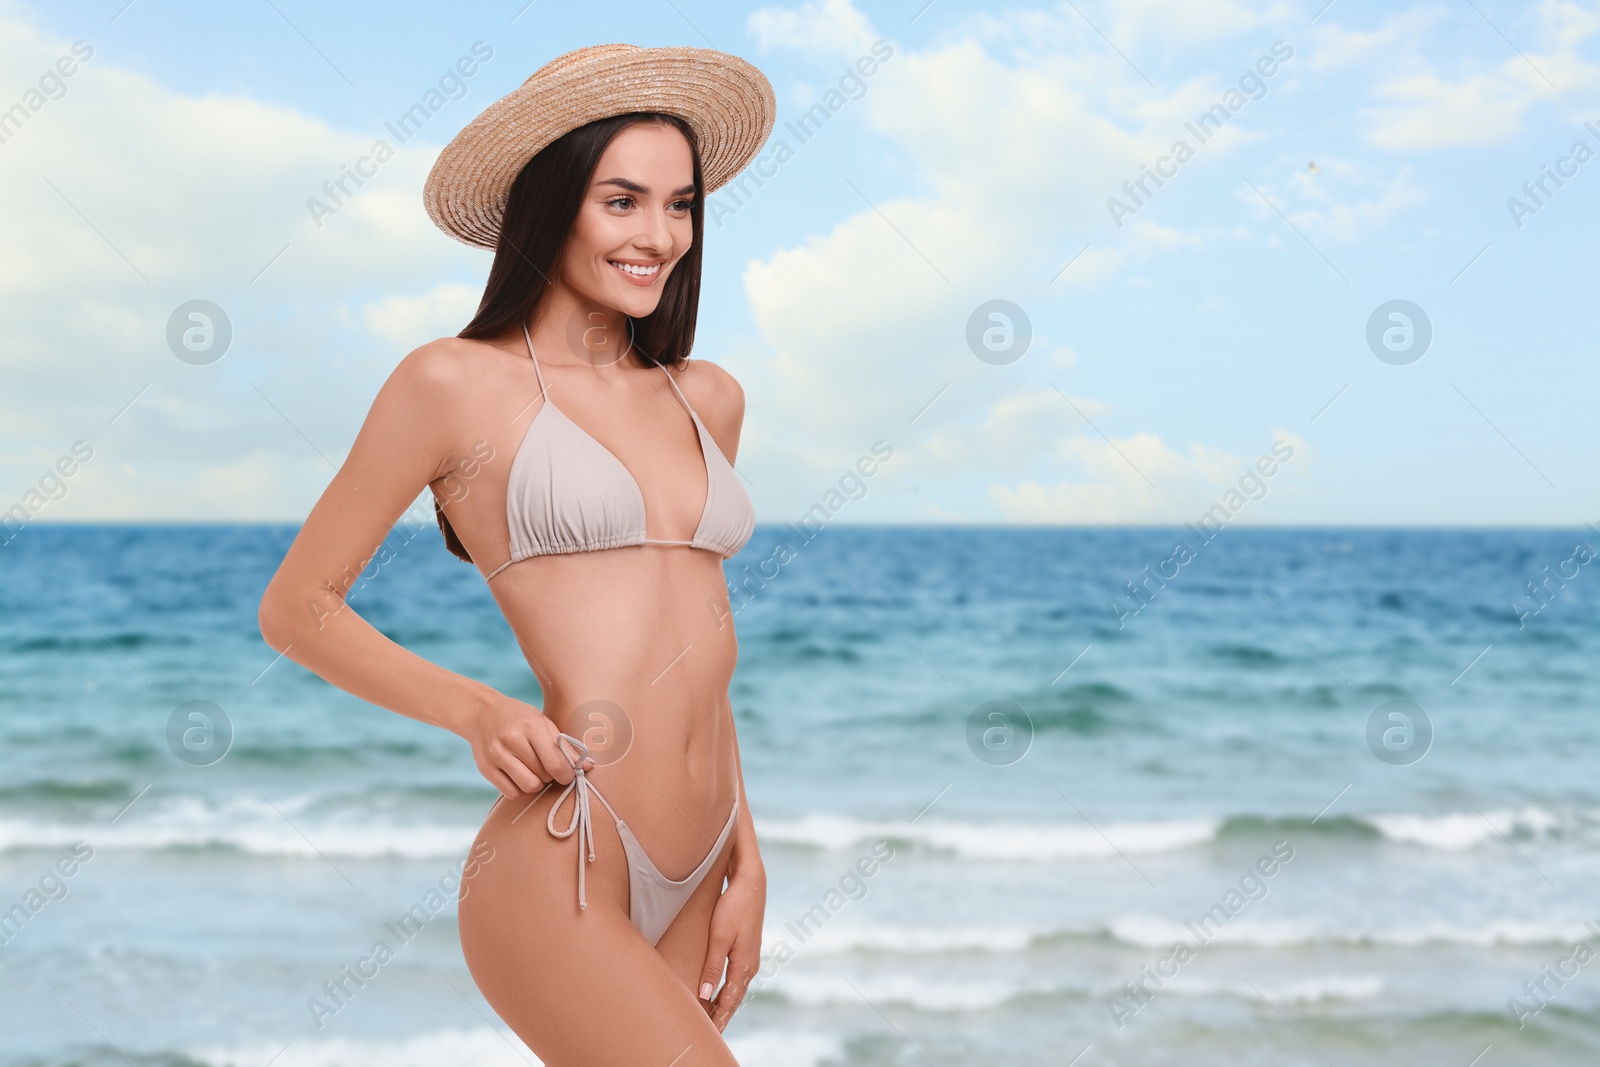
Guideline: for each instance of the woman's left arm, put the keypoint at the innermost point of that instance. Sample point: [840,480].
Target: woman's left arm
[746,861]
[738,916]
[736,921]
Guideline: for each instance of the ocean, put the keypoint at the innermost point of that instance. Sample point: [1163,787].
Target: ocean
[1291,796]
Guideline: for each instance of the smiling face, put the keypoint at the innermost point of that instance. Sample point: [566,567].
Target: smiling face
[634,224]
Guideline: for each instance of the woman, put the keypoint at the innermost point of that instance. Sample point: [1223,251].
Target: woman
[584,464]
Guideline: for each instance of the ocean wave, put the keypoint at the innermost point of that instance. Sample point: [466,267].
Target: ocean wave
[284,827]
[909,990]
[1045,842]
[1147,931]
[1297,827]
[908,940]
[1027,841]
[122,640]
[74,793]
[56,791]
[1249,657]
[1458,831]
[1086,709]
[140,758]
[1303,991]
[356,840]
[944,995]
[374,824]
[1443,831]
[488,1047]
[786,1048]
[1157,932]
[442,1048]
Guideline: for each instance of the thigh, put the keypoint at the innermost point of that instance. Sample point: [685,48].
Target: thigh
[582,988]
[687,941]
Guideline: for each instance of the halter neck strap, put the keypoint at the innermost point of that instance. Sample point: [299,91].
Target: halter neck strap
[535,358]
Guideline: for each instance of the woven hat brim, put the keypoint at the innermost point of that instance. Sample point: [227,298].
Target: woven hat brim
[726,101]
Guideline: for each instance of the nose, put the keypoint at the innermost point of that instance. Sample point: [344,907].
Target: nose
[656,238]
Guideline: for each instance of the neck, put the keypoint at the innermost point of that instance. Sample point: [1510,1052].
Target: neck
[573,331]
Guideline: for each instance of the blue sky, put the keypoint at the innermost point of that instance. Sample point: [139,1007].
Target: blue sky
[1227,311]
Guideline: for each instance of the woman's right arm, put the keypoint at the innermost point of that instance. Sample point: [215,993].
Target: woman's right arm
[407,442]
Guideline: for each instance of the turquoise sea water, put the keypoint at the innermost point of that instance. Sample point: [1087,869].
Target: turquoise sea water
[1058,786]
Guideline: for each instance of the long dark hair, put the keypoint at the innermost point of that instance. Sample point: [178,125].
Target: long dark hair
[540,210]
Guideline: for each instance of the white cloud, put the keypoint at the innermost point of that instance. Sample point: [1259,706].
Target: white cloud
[1478,102]
[1133,27]
[864,321]
[860,317]
[1335,46]
[1155,236]
[1139,479]
[833,27]
[440,312]
[1340,200]
[1019,431]
[1430,110]
[1012,151]
[125,199]
[1134,22]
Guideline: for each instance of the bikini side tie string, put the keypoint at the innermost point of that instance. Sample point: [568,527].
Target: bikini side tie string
[582,821]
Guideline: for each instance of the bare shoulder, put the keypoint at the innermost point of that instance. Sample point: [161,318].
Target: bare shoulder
[718,398]
[451,378]
[715,393]
[434,396]
[440,367]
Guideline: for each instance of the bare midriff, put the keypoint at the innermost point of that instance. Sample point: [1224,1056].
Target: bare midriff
[634,650]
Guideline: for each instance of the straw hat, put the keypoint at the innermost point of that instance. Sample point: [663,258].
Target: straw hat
[726,101]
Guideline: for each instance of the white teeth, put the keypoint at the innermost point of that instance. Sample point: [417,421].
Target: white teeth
[631,269]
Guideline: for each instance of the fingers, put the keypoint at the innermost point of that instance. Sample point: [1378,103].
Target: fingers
[514,771]
[523,756]
[556,757]
[716,955]
[498,779]
[726,1004]
[516,758]
[571,755]
[728,1000]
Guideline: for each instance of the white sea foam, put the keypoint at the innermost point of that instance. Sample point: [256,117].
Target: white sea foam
[279,838]
[294,826]
[1149,931]
[486,1047]
[927,994]
[1071,838]
[479,1047]
[911,940]
[1159,932]
[1301,991]
[1458,831]
[786,1048]
[282,826]
[1495,932]
[996,840]
[952,994]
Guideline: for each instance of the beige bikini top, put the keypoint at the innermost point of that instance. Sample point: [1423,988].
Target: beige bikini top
[569,493]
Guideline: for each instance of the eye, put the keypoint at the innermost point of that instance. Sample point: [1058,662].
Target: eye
[681,204]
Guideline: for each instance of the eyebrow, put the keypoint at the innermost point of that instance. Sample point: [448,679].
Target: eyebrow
[635,187]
